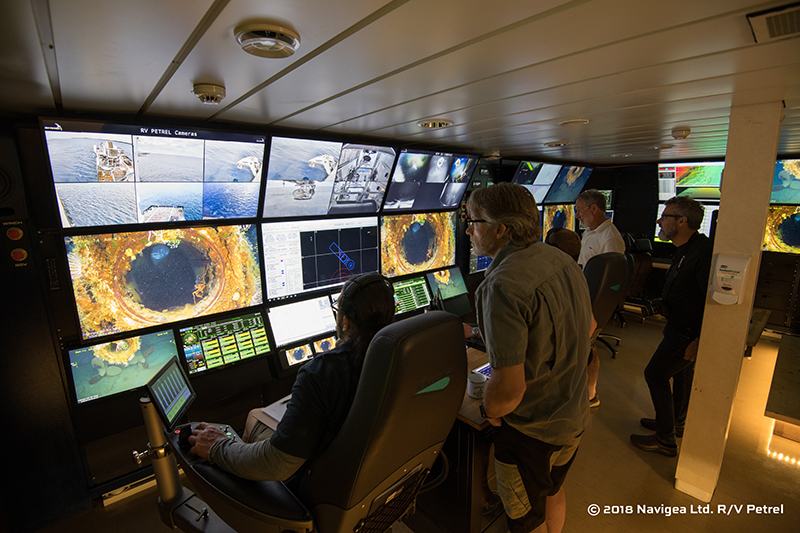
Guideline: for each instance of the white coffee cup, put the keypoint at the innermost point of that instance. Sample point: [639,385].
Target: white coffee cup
[475,385]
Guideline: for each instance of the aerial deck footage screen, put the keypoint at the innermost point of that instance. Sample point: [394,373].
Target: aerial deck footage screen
[108,174]
[122,365]
[306,255]
[127,281]
[221,342]
[417,242]
[307,177]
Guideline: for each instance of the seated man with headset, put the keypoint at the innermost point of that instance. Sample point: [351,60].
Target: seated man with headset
[322,394]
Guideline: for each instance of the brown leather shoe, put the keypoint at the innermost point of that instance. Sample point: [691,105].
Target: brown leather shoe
[649,443]
[650,423]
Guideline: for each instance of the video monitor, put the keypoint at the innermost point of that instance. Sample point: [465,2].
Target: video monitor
[701,181]
[301,320]
[414,243]
[126,281]
[307,255]
[324,345]
[447,283]
[536,177]
[558,216]
[297,355]
[219,343]
[705,225]
[171,393]
[567,185]
[410,294]
[478,263]
[429,181]
[307,177]
[110,174]
[786,182]
[783,229]
[122,365]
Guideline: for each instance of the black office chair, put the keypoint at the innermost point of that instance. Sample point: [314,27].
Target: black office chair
[606,275]
[411,388]
[642,265]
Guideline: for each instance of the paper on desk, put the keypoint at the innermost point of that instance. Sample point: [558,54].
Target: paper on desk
[272,414]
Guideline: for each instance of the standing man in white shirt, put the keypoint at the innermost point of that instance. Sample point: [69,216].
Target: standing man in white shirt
[600,237]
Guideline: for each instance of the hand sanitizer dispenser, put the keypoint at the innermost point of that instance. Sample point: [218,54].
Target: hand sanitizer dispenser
[728,278]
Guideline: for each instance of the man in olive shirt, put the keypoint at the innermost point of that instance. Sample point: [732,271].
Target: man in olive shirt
[534,315]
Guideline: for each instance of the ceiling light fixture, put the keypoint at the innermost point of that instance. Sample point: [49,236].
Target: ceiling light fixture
[435,123]
[264,39]
[556,144]
[621,155]
[208,93]
[680,132]
[574,122]
[663,146]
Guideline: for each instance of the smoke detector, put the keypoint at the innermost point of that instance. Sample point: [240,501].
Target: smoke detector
[264,39]
[208,93]
[680,132]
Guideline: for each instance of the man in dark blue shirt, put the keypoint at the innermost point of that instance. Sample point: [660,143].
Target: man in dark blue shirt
[682,303]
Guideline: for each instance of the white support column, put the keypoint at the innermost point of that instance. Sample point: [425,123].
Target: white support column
[746,186]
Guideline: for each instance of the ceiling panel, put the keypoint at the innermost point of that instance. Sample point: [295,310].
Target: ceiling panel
[505,72]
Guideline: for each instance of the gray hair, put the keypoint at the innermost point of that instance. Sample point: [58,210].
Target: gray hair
[512,205]
[689,208]
[593,197]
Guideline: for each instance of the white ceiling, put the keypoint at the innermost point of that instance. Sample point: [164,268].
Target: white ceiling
[506,72]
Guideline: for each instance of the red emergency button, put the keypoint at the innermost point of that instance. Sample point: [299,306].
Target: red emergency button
[18,254]
[14,234]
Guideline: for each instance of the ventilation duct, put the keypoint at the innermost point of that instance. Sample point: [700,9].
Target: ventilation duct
[776,23]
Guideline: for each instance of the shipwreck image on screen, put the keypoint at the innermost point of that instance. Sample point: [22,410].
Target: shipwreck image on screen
[127,281]
[418,242]
[122,365]
[558,216]
[783,229]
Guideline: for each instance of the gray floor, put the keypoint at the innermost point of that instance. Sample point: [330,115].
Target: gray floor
[608,470]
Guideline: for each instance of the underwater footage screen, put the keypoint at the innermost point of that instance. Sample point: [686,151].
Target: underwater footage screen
[112,367]
[418,242]
[782,233]
[133,280]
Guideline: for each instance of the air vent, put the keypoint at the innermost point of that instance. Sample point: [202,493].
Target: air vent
[775,23]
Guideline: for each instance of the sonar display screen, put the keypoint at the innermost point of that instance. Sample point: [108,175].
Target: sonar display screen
[127,281]
[417,242]
[110,174]
[222,342]
[109,368]
[307,255]
[567,185]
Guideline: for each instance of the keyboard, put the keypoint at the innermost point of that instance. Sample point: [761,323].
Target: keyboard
[486,370]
